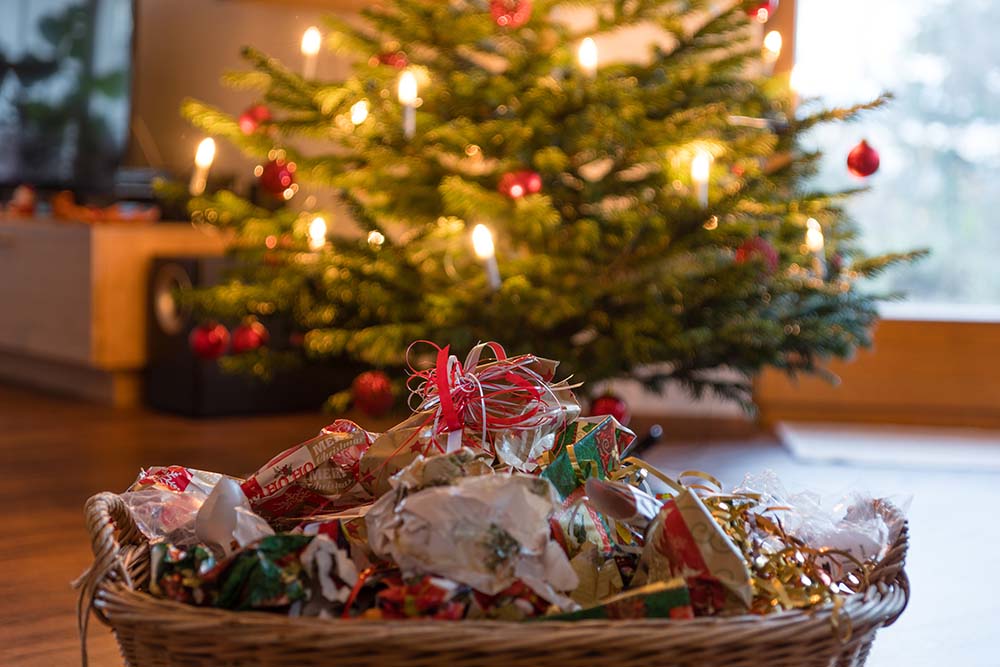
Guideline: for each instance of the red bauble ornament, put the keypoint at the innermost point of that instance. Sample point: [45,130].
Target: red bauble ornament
[609,404]
[372,393]
[762,11]
[516,184]
[758,249]
[395,59]
[251,119]
[209,340]
[249,336]
[863,160]
[277,176]
[510,13]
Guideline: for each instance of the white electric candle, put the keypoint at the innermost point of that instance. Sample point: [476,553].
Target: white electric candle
[408,98]
[816,245]
[359,112]
[317,233]
[701,167]
[482,243]
[203,159]
[311,40]
[587,55]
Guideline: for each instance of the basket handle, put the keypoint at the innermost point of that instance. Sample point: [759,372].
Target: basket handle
[890,570]
[109,523]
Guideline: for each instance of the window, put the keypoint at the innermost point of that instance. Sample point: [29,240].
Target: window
[939,140]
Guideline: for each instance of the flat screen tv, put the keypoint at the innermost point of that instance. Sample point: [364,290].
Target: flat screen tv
[65,74]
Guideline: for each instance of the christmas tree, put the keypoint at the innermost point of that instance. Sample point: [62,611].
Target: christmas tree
[648,219]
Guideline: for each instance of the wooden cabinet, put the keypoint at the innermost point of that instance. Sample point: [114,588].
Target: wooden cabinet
[73,302]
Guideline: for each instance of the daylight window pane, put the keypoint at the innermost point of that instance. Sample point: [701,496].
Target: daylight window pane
[939,183]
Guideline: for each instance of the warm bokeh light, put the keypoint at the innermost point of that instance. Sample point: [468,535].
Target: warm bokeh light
[205,154]
[376,238]
[482,242]
[359,112]
[311,40]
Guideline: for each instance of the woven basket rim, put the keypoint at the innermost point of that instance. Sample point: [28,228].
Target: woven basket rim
[122,559]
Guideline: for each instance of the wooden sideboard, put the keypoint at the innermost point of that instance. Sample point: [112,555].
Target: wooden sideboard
[73,302]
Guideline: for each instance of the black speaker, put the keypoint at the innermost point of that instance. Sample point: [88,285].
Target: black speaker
[179,382]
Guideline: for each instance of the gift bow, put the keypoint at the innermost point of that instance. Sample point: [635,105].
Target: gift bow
[507,393]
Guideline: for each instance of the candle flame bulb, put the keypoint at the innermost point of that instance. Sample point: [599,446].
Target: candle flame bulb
[203,158]
[701,167]
[814,236]
[359,112]
[408,98]
[407,88]
[587,55]
[317,233]
[311,40]
[205,154]
[482,242]
[772,45]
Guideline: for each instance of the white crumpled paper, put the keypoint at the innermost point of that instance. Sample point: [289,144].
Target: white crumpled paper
[485,531]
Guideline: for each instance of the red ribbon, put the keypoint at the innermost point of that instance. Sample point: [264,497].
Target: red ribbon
[504,394]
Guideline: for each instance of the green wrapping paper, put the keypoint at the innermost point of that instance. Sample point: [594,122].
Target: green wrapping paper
[664,599]
[268,575]
[588,447]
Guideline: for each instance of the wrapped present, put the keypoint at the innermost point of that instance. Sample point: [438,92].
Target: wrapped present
[321,474]
[686,541]
[486,531]
[510,409]
[663,599]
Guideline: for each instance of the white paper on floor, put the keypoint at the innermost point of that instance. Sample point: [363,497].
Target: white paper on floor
[895,446]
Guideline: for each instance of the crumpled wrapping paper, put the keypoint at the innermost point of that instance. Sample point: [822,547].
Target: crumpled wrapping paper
[319,474]
[685,541]
[485,531]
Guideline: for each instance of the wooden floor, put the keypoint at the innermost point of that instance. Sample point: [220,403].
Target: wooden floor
[54,453]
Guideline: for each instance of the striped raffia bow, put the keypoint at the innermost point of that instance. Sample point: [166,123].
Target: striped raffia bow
[514,393]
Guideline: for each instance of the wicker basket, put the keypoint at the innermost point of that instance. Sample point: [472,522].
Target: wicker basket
[154,632]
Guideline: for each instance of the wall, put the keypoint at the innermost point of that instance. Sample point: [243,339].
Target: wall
[182,48]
